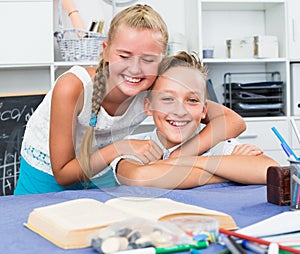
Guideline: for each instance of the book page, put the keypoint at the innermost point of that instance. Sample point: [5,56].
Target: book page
[78,214]
[158,208]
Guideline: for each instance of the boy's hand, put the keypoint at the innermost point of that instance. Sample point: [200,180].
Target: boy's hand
[245,149]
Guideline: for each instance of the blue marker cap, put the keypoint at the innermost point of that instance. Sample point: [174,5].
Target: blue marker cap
[254,247]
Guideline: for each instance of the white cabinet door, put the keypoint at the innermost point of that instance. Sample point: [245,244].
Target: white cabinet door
[295,88]
[294,28]
[26,32]
[260,134]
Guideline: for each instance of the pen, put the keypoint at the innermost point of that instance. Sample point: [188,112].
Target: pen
[287,149]
[256,240]
[254,247]
[232,245]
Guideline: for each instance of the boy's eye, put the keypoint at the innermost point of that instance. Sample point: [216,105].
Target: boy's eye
[167,99]
[193,100]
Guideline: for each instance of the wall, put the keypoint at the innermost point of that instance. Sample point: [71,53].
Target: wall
[98,9]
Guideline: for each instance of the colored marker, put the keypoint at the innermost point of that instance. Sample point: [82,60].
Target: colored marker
[182,247]
[254,247]
[287,149]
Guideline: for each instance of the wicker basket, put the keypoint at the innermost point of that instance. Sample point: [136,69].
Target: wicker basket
[75,48]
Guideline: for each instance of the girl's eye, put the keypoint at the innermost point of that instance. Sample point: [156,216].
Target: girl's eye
[124,56]
[148,59]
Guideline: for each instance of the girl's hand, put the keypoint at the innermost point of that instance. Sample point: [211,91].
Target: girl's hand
[146,150]
[245,149]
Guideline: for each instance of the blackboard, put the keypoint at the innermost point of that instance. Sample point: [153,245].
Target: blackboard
[15,111]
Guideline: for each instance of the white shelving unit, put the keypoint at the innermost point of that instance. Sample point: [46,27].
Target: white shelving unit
[28,62]
[214,22]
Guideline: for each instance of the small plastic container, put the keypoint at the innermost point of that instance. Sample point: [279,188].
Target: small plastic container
[208,52]
[198,226]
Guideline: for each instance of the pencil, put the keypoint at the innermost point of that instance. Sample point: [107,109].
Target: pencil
[256,240]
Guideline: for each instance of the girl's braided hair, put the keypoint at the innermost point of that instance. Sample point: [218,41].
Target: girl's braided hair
[139,17]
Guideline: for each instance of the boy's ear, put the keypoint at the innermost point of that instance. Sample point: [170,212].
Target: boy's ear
[204,110]
[147,107]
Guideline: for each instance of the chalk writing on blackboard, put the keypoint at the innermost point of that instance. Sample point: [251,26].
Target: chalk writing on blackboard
[15,112]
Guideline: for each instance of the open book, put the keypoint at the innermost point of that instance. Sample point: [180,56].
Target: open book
[68,224]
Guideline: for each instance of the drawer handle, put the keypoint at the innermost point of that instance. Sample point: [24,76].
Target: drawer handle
[248,136]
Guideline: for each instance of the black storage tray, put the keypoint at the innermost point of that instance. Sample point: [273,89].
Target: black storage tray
[256,85]
[261,106]
[257,109]
[263,98]
[259,113]
[248,96]
[254,97]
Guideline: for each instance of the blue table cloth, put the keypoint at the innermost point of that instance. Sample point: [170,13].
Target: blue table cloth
[246,204]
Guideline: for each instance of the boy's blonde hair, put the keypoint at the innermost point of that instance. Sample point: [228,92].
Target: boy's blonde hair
[138,17]
[182,59]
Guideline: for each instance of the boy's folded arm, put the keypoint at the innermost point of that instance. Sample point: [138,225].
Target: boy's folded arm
[163,175]
[189,172]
